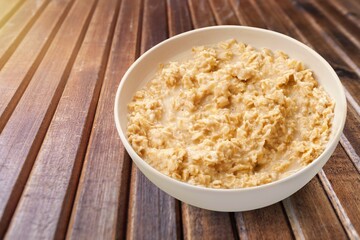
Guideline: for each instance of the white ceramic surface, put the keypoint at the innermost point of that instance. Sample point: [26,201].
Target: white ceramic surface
[179,47]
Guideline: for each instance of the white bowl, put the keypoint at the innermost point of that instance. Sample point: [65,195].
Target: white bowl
[179,47]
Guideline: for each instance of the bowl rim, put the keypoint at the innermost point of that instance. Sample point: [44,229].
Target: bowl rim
[330,145]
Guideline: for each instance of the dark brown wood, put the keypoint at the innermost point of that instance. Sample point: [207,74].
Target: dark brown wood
[205,224]
[16,28]
[201,13]
[341,181]
[266,223]
[352,129]
[101,204]
[52,204]
[347,27]
[311,214]
[223,13]
[19,69]
[345,44]
[178,16]
[276,20]
[349,9]
[247,14]
[21,138]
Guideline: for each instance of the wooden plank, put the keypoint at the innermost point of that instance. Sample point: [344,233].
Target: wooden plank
[178,17]
[21,138]
[345,45]
[347,27]
[311,214]
[18,71]
[17,27]
[349,9]
[50,205]
[247,14]
[152,213]
[204,224]
[265,223]
[7,9]
[201,14]
[277,22]
[223,13]
[341,181]
[101,204]
[352,129]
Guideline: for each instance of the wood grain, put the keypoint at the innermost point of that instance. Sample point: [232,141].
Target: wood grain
[277,21]
[7,9]
[50,205]
[201,14]
[18,26]
[20,68]
[343,187]
[223,12]
[25,130]
[178,17]
[352,129]
[345,44]
[204,224]
[311,214]
[247,14]
[347,27]
[101,204]
[261,223]
[349,10]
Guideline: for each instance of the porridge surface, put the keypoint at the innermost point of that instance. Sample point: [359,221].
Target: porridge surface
[231,116]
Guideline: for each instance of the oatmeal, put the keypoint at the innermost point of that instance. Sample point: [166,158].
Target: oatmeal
[232,116]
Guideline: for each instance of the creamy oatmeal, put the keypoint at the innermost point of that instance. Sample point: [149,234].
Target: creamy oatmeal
[231,116]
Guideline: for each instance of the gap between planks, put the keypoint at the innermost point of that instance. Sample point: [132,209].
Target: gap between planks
[85,220]
[339,209]
[18,30]
[12,101]
[39,137]
[103,67]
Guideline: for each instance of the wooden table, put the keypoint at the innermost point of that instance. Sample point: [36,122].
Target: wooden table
[63,170]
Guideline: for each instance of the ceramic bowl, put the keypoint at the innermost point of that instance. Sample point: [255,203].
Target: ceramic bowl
[178,48]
